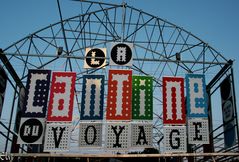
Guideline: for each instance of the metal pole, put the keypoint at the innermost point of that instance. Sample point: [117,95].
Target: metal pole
[235,107]
[63,32]
[10,120]
[123,21]
[213,159]
[10,69]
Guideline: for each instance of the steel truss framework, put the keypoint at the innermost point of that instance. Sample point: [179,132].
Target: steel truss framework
[160,48]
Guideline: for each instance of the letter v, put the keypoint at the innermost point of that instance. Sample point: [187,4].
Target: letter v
[57,141]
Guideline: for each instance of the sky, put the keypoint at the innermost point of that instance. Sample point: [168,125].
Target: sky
[213,21]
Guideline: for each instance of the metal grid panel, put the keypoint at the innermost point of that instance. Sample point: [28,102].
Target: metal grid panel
[117,136]
[141,135]
[90,135]
[57,137]
[198,131]
[175,139]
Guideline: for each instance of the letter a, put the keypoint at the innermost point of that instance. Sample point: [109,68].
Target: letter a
[141,137]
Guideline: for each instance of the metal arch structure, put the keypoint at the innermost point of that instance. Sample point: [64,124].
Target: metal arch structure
[160,48]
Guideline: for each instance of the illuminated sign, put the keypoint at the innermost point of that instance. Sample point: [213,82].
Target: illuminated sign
[175,139]
[129,103]
[117,136]
[173,101]
[60,106]
[57,137]
[121,54]
[95,58]
[198,129]
[119,95]
[141,135]
[142,98]
[31,131]
[92,100]
[37,89]
[198,132]
[34,107]
[90,135]
[196,95]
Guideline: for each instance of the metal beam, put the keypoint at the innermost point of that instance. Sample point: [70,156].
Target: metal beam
[10,69]
[77,155]
[223,70]
[135,59]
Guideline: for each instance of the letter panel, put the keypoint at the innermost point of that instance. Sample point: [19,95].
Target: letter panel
[92,100]
[141,135]
[31,131]
[37,89]
[57,137]
[175,139]
[173,101]
[117,136]
[61,97]
[198,131]
[142,99]
[119,95]
[90,135]
[95,58]
[196,96]
[121,54]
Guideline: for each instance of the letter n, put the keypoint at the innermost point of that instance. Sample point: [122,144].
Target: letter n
[173,101]
[92,100]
